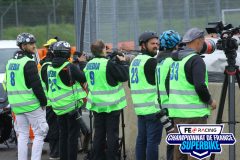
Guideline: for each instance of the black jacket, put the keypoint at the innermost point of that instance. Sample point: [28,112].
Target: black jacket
[149,69]
[195,70]
[32,79]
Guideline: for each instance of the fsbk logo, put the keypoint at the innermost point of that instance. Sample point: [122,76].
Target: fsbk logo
[197,130]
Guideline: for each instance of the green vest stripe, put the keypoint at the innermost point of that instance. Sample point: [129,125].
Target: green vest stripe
[107,92]
[143,91]
[19,92]
[186,106]
[102,97]
[103,104]
[65,107]
[145,104]
[183,92]
[163,93]
[24,103]
[65,95]
[143,94]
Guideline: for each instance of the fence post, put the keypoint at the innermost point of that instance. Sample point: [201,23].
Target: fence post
[136,22]
[218,9]
[114,24]
[160,20]
[4,13]
[16,12]
[186,14]
[93,28]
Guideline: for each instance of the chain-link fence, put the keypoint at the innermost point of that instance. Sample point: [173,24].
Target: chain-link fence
[116,21]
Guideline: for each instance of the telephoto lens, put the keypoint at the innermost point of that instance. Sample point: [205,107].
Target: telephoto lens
[167,123]
[209,47]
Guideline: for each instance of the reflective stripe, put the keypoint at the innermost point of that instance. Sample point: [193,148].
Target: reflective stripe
[103,104]
[183,92]
[138,105]
[24,103]
[185,106]
[107,92]
[163,93]
[20,92]
[65,95]
[143,91]
[65,107]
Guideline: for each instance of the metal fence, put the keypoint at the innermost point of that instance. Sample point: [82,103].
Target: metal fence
[115,21]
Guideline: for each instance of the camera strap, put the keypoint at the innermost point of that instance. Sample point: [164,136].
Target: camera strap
[71,83]
[158,92]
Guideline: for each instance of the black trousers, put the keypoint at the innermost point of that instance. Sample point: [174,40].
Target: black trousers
[106,135]
[69,132]
[53,132]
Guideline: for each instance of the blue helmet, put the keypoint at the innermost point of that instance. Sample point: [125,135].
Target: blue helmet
[169,39]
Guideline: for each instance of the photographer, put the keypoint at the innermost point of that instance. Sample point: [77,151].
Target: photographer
[106,99]
[80,60]
[143,92]
[53,134]
[189,96]
[65,94]
[26,97]
[169,41]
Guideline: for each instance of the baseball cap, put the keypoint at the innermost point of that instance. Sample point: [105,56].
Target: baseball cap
[192,34]
[49,42]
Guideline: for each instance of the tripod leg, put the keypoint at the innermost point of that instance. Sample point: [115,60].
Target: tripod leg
[231,112]
[91,129]
[123,135]
[238,78]
[221,105]
[222,100]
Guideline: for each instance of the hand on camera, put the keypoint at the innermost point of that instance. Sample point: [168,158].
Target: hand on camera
[121,58]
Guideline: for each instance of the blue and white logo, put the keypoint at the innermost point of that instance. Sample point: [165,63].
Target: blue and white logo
[200,141]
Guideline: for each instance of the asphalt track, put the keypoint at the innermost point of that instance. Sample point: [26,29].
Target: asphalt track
[11,152]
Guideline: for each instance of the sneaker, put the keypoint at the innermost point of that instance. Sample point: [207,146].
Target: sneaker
[54,158]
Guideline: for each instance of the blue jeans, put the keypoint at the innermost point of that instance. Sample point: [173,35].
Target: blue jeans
[149,137]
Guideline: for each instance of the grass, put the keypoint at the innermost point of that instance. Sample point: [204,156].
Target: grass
[64,31]
[125,29]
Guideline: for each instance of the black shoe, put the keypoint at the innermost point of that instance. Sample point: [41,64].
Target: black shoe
[86,141]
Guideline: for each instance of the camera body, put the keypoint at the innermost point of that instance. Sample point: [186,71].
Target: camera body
[165,120]
[227,42]
[113,55]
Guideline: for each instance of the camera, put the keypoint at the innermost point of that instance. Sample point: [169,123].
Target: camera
[88,56]
[209,47]
[227,42]
[113,55]
[167,123]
